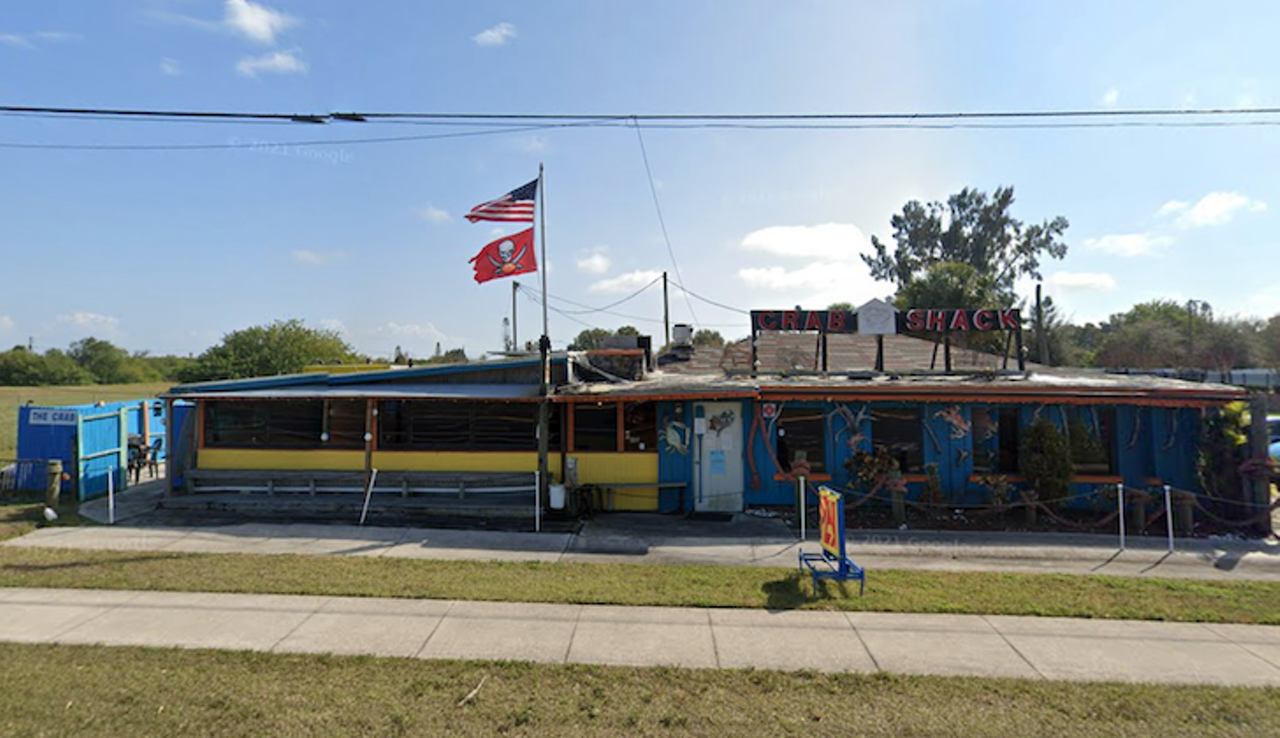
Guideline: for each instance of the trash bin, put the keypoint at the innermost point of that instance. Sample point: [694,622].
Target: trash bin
[557,496]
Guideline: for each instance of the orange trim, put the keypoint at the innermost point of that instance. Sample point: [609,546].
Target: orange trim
[810,477]
[921,478]
[200,424]
[620,397]
[1153,482]
[1077,479]
[996,397]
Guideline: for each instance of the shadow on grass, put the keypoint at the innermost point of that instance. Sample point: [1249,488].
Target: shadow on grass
[61,565]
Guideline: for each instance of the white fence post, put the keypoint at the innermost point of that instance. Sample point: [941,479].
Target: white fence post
[1168,516]
[804,512]
[1120,502]
[537,501]
[111,497]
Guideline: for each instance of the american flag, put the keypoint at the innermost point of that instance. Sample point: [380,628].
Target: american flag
[516,205]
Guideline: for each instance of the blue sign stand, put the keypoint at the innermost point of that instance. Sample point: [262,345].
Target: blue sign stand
[831,562]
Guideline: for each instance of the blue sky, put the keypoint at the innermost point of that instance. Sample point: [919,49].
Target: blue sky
[168,250]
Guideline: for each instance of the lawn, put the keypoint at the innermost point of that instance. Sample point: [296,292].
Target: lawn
[13,397]
[21,516]
[644,584]
[100,691]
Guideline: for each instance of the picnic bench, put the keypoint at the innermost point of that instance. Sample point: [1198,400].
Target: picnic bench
[831,562]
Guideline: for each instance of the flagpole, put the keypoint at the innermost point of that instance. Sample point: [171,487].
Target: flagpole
[544,347]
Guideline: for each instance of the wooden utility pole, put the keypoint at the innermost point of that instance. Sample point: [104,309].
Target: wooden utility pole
[1042,341]
[666,312]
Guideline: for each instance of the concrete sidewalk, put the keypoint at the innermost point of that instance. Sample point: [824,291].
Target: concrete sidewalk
[651,539]
[1035,648]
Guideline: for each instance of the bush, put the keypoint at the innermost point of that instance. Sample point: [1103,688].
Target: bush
[1045,461]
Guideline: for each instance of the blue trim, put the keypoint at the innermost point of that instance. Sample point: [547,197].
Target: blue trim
[374,376]
[288,380]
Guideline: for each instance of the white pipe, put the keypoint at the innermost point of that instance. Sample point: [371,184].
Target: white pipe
[1168,516]
[537,502]
[111,497]
[368,493]
[804,533]
[1120,499]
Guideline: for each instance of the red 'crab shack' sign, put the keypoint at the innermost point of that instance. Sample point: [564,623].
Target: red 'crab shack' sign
[914,320]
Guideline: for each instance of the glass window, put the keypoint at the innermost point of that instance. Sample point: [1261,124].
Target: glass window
[1090,435]
[595,427]
[640,426]
[1010,440]
[802,433]
[344,422]
[434,425]
[900,431]
[270,424]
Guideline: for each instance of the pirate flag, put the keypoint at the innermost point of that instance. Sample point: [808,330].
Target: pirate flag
[506,257]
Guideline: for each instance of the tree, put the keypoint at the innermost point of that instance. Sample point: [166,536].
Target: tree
[110,364]
[707,338]
[970,228]
[283,347]
[1164,333]
[452,356]
[594,338]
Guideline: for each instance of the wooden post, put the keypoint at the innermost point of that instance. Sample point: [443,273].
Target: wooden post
[53,483]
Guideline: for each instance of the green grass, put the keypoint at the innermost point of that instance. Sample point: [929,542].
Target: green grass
[101,691]
[642,584]
[21,516]
[13,397]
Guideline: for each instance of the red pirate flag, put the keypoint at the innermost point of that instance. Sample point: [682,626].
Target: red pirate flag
[506,257]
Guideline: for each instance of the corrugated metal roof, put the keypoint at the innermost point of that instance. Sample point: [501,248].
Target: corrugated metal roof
[378,391]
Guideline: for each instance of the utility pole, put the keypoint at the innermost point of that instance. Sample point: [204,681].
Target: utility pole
[666,312]
[515,335]
[1042,341]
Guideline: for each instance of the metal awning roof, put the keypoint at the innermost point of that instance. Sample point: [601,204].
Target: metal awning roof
[414,391]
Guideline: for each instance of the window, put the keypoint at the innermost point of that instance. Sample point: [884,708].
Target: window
[1090,434]
[426,425]
[900,431]
[595,427]
[802,434]
[271,424]
[995,440]
[344,422]
[640,427]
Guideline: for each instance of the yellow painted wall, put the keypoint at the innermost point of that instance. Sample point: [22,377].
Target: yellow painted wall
[495,461]
[235,458]
[604,469]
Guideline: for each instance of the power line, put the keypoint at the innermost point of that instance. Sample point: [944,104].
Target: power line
[710,301]
[633,118]
[657,205]
[604,309]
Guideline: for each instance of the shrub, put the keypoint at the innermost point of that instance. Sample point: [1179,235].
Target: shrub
[1045,460]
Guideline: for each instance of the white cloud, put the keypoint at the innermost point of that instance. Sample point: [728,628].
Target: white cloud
[275,62]
[170,67]
[594,263]
[838,241]
[91,321]
[1082,281]
[6,324]
[256,22]
[1215,208]
[333,324]
[1111,97]
[29,40]
[1171,207]
[496,36]
[411,331]
[436,215]
[629,282]
[1130,244]
[307,257]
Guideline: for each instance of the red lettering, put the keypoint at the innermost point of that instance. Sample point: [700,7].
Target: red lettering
[791,321]
[983,320]
[814,321]
[767,321]
[960,321]
[915,320]
[936,320]
[1009,320]
[835,321]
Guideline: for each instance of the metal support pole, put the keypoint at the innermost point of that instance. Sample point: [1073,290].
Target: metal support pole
[537,502]
[1120,502]
[666,314]
[1168,516]
[368,494]
[111,497]
[804,513]
[515,334]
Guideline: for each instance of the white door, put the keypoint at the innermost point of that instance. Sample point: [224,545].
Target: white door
[719,473]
